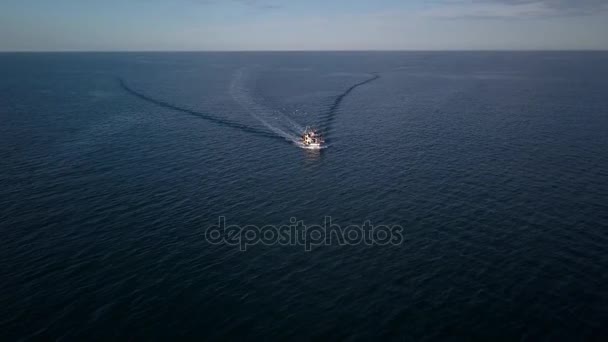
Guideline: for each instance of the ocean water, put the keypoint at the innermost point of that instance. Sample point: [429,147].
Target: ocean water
[113,165]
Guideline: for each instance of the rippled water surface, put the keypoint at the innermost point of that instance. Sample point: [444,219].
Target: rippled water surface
[112,165]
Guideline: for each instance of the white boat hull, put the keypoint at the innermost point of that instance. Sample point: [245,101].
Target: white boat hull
[313,146]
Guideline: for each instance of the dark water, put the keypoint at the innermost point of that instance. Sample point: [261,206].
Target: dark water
[113,165]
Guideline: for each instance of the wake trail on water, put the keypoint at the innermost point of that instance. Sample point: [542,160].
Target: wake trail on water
[205,116]
[279,125]
[327,124]
[274,120]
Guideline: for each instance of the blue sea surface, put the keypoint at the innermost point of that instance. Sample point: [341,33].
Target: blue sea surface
[113,166]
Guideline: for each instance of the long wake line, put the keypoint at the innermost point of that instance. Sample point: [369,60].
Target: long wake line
[216,120]
[259,112]
[330,115]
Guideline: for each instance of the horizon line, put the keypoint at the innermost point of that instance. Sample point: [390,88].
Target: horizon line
[312,50]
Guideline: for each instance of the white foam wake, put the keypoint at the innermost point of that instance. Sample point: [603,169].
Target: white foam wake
[274,120]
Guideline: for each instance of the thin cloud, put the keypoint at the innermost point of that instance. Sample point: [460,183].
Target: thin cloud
[515,9]
[259,4]
[255,4]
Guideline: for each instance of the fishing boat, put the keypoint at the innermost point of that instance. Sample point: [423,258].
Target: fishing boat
[312,139]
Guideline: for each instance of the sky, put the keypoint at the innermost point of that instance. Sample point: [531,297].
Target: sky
[159,25]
